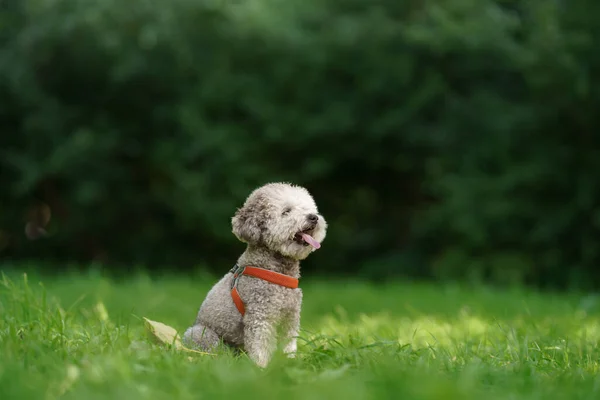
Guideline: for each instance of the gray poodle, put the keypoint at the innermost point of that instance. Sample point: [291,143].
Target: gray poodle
[281,225]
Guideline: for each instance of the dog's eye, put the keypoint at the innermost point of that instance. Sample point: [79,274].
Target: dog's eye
[286,211]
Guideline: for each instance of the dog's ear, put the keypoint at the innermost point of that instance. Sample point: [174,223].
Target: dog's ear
[245,224]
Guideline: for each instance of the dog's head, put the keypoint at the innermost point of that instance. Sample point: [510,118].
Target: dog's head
[281,217]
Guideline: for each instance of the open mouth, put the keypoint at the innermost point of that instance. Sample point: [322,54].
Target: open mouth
[305,238]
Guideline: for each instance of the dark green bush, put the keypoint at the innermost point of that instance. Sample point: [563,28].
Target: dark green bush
[449,139]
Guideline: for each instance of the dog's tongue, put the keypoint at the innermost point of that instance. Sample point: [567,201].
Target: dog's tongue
[310,240]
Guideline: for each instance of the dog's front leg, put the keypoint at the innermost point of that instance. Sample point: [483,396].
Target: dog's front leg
[292,328]
[259,336]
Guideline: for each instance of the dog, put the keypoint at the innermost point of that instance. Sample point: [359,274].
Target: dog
[280,225]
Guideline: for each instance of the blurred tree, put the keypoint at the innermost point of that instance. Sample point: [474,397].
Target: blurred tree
[449,139]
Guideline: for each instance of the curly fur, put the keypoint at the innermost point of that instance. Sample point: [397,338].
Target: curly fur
[268,223]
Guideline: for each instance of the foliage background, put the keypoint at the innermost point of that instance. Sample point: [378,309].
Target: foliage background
[451,139]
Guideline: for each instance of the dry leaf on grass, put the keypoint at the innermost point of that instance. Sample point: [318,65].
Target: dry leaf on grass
[164,334]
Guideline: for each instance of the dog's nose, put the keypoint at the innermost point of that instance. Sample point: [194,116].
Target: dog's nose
[313,217]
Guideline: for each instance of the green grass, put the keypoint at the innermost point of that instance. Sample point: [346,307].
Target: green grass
[82,337]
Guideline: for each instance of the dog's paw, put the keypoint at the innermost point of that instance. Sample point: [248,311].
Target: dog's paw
[290,349]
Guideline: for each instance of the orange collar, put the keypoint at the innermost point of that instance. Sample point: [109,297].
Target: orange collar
[264,274]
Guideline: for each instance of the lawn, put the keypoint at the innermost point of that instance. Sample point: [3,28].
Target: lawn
[83,337]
